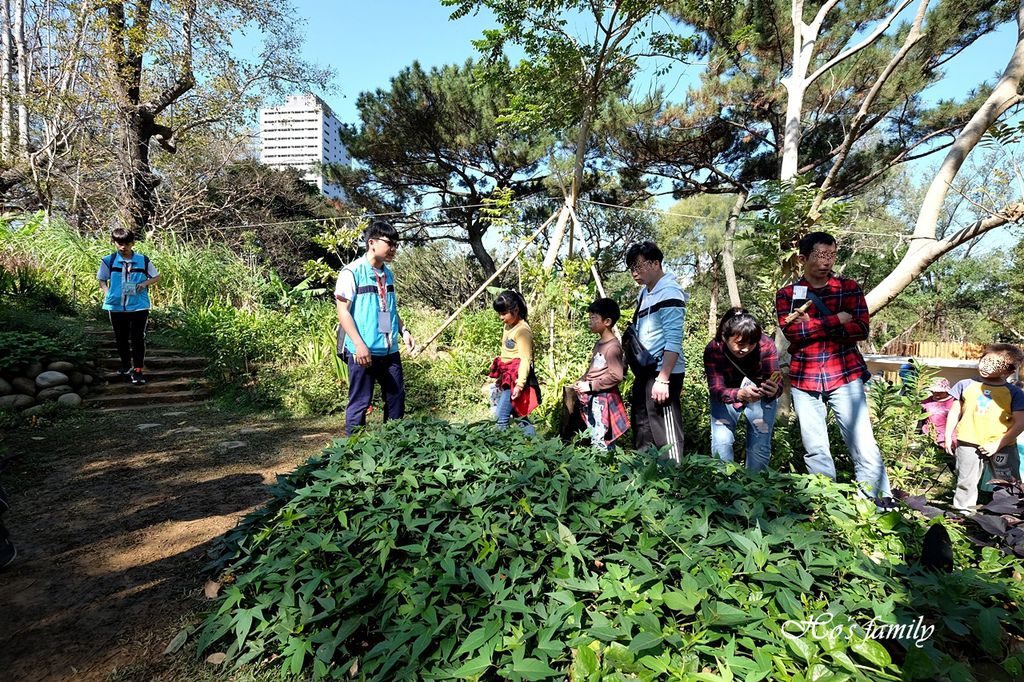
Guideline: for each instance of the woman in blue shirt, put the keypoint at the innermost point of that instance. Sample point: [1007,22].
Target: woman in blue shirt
[125,277]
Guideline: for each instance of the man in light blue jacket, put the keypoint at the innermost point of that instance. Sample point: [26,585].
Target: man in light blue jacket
[660,313]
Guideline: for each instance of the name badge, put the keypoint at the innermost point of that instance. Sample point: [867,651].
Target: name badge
[384,321]
[799,291]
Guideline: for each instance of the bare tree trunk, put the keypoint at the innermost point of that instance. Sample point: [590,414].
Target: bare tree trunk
[555,246]
[713,305]
[805,37]
[795,86]
[5,81]
[138,118]
[853,130]
[22,57]
[476,243]
[925,248]
[728,262]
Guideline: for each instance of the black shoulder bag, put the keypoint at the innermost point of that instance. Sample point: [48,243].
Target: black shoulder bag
[638,358]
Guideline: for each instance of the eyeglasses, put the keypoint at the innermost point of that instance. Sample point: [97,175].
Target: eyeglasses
[639,266]
[391,244]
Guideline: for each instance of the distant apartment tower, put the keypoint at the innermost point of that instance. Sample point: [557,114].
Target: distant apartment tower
[302,133]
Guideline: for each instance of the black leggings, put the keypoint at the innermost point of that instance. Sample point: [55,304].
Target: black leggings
[130,337]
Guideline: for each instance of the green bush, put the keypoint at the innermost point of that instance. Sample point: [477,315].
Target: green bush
[38,335]
[433,551]
[55,261]
[19,349]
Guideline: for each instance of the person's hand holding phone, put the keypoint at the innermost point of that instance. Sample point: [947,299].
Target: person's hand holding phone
[771,385]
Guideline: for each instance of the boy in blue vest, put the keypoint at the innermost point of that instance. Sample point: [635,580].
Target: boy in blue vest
[368,316]
[125,278]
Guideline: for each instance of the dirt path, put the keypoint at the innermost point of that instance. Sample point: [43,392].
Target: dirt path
[113,518]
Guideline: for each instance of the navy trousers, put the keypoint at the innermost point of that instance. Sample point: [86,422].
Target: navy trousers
[385,370]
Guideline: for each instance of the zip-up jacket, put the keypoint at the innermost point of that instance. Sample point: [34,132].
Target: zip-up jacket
[119,272]
[660,317]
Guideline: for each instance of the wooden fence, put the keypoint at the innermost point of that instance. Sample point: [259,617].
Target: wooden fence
[933,349]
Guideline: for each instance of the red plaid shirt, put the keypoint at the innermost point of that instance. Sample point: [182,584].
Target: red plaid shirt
[724,379]
[824,350]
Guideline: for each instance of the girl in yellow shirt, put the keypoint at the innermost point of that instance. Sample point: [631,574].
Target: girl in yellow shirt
[516,389]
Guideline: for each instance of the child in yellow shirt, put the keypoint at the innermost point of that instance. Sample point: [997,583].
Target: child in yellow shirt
[986,417]
[516,389]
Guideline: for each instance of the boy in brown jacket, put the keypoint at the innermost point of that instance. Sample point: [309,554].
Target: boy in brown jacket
[601,404]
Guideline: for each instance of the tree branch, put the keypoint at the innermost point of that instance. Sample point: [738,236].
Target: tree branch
[868,40]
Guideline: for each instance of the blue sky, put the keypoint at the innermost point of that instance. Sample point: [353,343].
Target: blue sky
[367,43]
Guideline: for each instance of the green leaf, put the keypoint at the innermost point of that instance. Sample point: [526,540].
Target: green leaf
[472,667]
[872,651]
[720,613]
[989,631]
[643,641]
[584,662]
[534,669]
[799,645]
[681,601]
[478,638]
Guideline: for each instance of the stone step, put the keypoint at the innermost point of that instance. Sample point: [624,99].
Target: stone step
[152,385]
[150,348]
[160,362]
[159,374]
[106,354]
[132,408]
[148,399]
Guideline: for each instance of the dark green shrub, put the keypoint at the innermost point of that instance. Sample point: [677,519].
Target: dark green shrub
[235,340]
[433,551]
[18,349]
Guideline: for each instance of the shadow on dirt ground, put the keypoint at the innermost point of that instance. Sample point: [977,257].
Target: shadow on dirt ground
[113,514]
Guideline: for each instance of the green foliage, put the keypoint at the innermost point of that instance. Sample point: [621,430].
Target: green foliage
[18,349]
[896,414]
[34,334]
[235,340]
[776,230]
[192,275]
[435,134]
[735,120]
[438,551]
[438,276]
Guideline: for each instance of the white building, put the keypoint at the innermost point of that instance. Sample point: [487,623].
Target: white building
[303,133]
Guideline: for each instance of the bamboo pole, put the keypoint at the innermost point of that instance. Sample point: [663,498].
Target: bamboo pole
[483,287]
[556,243]
[586,252]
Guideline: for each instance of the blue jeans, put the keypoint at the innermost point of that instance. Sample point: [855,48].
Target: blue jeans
[850,406]
[501,401]
[760,422]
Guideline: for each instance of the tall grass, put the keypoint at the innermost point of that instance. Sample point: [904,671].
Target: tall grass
[191,275]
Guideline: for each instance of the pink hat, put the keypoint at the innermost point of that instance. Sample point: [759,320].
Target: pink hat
[939,385]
